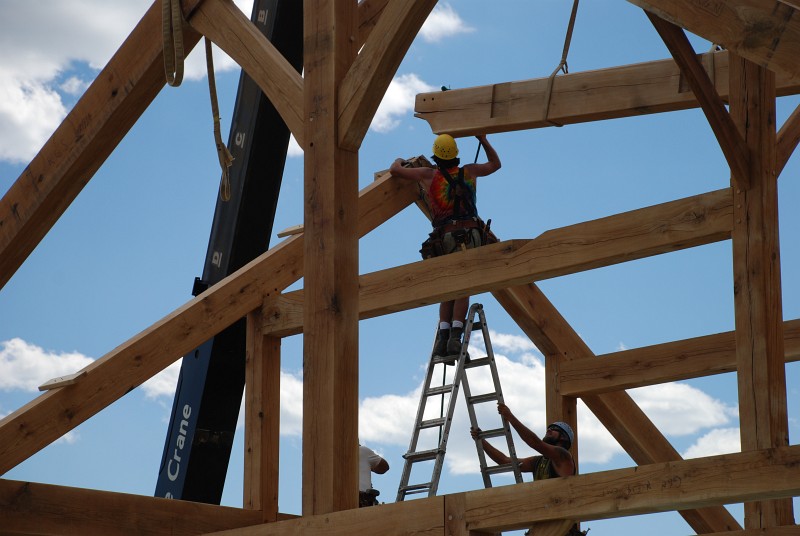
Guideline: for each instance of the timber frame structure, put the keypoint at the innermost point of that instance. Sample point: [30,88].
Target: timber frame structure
[329,110]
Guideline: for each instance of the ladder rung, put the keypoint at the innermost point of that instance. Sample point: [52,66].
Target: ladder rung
[416,488]
[496,432]
[476,326]
[422,455]
[477,399]
[444,389]
[497,469]
[433,422]
[481,361]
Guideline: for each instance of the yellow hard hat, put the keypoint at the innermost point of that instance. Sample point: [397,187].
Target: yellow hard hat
[444,147]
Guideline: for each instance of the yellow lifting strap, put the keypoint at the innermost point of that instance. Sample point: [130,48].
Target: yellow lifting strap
[224,155]
[172,33]
[562,65]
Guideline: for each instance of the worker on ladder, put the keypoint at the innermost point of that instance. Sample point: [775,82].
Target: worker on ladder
[554,459]
[451,192]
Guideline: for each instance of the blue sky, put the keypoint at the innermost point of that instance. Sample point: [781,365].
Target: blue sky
[127,250]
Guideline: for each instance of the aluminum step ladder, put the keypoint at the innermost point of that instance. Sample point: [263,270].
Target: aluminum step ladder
[463,363]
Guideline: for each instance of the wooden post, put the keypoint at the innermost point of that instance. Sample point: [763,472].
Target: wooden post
[330,347]
[262,420]
[757,280]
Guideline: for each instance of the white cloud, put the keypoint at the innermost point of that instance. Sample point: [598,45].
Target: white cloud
[442,23]
[398,101]
[25,366]
[717,441]
[46,51]
[163,383]
[680,409]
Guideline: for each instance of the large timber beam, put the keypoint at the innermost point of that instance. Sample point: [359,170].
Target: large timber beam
[671,226]
[766,32]
[626,91]
[667,362]
[226,25]
[639,490]
[621,416]
[51,415]
[31,508]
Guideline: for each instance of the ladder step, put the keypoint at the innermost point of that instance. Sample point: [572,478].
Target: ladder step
[496,432]
[422,455]
[497,469]
[476,326]
[479,362]
[432,423]
[441,390]
[415,488]
[478,399]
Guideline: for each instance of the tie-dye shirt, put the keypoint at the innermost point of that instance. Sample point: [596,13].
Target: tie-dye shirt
[441,196]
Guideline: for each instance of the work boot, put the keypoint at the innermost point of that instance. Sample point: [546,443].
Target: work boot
[454,343]
[440,347]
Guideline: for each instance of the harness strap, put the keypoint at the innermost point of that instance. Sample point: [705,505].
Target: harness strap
[458,187]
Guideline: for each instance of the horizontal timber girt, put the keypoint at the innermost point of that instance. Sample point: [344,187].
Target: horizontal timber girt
[630,90]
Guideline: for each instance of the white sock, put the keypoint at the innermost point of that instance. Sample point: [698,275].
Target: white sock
[444,325]
[458,324]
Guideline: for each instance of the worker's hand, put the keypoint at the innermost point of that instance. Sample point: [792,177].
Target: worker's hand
[474,431]
[503,410]
[481,138]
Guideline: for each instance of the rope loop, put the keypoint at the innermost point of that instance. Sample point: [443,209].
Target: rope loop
[172,35]
[223,154]
[562,65]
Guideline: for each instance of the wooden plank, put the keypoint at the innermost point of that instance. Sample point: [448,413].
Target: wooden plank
[364,86]
[613,93]
[83,141]
[422,517]
[32,508]
[226,25]
[660,487]
[262,420]
[763,420]
[640,438]
[763,31]
[788,138]
[330,344]
[638,490]
[671,226]
[728,136]
[668,362]
[51,415]
[790,530]
[62,381]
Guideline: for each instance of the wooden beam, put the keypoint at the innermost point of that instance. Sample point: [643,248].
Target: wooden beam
[626,91]
[83,141]
[639,490]
[31,508]
[668,362]
[369,12]
[226,25]
[330,345]
[789,530]
[51,415]
[672,226]
[763,420]
[659,487]
[766,32]
[788,138]
[262,420]
[731,142]
[365,84]
[637,434]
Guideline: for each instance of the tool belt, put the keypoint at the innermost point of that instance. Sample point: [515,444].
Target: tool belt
[368,498]
[461,231]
